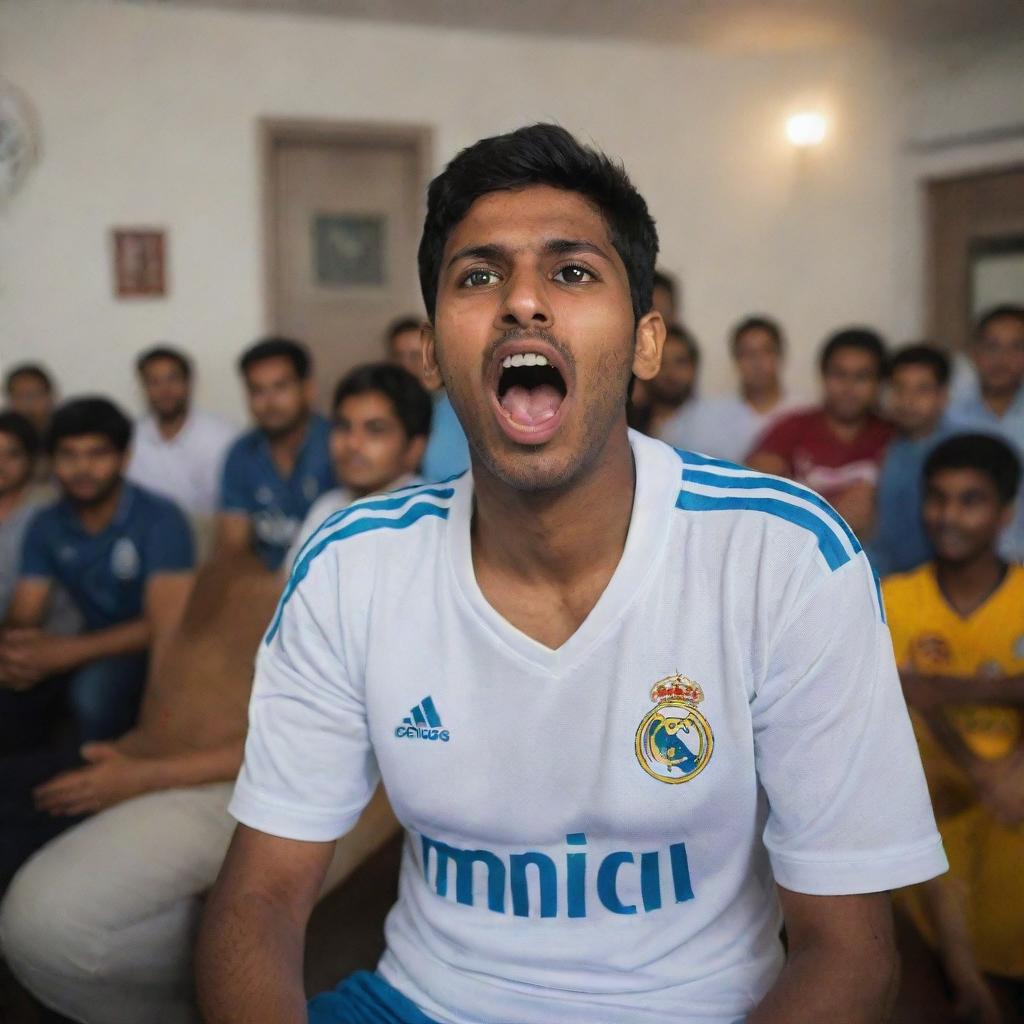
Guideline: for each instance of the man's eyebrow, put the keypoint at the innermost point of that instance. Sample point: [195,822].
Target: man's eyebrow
[568,246]
[492,253]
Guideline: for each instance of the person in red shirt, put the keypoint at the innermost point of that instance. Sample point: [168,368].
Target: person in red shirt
[836,449]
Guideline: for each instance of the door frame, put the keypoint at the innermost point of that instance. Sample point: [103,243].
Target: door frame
[274,130]
[949,244]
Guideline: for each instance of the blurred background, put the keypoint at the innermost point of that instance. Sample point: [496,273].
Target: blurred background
[275,143]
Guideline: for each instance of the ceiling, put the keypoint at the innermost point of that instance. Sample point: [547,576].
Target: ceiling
[770,25]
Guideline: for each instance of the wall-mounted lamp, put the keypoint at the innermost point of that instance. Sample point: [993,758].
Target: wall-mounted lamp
[807,129]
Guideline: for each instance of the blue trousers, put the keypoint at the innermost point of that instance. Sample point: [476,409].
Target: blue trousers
[104,696]
[364,998]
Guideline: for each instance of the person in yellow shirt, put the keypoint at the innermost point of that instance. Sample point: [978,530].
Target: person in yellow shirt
[957,626]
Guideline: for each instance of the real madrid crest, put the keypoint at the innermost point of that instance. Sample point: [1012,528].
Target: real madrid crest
[674,741]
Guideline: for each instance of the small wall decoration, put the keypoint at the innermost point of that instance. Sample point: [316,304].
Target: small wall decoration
[140,263]
[348,250]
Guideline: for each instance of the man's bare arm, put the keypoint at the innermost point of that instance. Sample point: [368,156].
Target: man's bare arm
[249,956]
[28,603]
[233,534]
[842,965]
[926,691]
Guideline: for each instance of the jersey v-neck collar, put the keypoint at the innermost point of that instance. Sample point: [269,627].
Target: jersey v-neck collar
[993,598]
[657,487]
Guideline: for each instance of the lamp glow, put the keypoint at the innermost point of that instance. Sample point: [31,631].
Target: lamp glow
[807,129]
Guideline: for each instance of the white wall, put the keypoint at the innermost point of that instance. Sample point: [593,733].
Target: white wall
[149,116]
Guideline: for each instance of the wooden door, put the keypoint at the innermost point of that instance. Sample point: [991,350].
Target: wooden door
[976,249]
[344,220]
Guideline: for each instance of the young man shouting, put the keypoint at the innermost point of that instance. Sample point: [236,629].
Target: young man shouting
[634,709]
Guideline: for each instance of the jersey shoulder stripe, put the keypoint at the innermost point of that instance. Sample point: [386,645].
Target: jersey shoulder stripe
[724,486]
[411,507]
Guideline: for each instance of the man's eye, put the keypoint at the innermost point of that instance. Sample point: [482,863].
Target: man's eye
[480,278]
[573,274]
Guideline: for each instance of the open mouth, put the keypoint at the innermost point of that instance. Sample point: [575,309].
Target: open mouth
[530,391]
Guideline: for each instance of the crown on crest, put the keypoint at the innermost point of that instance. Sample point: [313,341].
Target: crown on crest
[677,687]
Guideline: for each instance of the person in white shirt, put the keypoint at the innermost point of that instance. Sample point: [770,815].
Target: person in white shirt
[381,425]
[727,427]
[635,708]
[178,451]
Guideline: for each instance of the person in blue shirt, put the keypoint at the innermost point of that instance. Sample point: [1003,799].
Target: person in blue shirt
[919,390]
[447,452]
[995,403]
[274,473]
[122,554]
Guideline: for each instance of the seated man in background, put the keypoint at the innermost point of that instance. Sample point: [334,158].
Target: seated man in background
[836,449]
[99,924]
[447,451]
[29,389]
[669,402]
[122,554]
[667,297]
[918,391]
[381,425]
[30,392]
[275,472]
[994,402]
[178,451]
[25,715]
[727,427]
[958,630]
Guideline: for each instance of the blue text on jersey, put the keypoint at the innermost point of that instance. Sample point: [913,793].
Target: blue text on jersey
[568,895]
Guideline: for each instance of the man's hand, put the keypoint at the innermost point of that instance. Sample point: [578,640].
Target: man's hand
[110,778]
[973,999]
[29,655]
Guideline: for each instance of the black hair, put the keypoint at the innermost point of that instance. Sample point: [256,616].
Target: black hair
[679,332]
[758,323]
[983,453]
[663,279]
[28,370]
[89,415]
[18,427]
[400,326]
[541,154]
[175,355]
[922,353]
[412,402]
[862,338]
[1001,312]
[277,348]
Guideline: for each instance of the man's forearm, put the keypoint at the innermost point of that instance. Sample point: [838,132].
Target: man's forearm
[249,963]
[196,767]
[124,638]
[841,986]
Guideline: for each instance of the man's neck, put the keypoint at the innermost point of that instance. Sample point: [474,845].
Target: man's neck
[285,447]
[968,585]
[763,400]
[98,516]
[557,537]
[999,402]
[923,432]
[169,427]
[846,430]
[11,501]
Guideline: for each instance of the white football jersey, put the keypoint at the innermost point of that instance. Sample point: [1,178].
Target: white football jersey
[594,832]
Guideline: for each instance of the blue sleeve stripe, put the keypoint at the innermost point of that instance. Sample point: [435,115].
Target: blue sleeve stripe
[758,480]
[396,500]
[830,546]
[878,594]
[303,562]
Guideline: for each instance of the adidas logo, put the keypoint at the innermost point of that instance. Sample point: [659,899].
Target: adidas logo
[423,723]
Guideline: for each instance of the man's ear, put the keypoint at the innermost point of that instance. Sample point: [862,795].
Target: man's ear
[431,371]
[414,453]
[649,340]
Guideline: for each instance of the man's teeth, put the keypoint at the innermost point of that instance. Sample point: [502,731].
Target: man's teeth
[524,359]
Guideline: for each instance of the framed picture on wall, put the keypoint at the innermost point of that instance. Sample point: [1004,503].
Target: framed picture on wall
[140,262]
